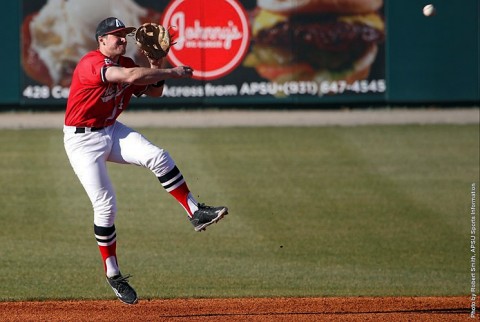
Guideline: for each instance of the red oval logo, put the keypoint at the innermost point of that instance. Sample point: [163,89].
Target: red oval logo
[212,36]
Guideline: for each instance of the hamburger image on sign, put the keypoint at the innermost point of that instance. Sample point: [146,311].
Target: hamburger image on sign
[315,40]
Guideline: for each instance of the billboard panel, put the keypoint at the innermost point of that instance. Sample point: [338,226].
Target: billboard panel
[243,52]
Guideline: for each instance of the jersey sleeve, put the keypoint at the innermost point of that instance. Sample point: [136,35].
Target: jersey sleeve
[92,70]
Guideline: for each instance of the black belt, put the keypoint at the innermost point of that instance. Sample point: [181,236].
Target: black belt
[92,129]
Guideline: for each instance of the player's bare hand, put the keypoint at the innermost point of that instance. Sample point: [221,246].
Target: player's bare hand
[182,72]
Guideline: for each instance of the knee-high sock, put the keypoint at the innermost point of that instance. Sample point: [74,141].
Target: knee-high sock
[107,244]
[175,184]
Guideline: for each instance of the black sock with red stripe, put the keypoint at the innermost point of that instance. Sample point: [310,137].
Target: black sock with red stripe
[175,184]
[107,244]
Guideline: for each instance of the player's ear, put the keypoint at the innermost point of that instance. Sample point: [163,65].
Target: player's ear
[101,40]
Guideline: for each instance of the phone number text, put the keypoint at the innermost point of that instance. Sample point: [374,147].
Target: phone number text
[246,89]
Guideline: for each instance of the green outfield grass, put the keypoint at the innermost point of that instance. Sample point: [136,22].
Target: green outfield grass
[314,211]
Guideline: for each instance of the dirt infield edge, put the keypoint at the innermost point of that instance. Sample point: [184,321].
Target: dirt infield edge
[247,309]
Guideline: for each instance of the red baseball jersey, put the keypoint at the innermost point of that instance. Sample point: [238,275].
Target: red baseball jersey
[93,101]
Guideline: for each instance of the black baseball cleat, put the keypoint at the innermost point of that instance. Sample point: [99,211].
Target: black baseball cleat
[206,215]
[122,289]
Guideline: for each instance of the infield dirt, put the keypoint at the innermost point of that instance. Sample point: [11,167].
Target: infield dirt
[246,309]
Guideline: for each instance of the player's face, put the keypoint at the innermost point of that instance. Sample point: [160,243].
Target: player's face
[115,44]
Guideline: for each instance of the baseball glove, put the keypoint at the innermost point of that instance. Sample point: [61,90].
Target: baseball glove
[154,40]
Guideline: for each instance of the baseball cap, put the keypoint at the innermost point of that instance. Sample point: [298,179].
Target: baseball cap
[111,25]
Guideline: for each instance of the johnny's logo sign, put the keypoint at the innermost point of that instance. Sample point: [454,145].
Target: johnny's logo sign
[212,36]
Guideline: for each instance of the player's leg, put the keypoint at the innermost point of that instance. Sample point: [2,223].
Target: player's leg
[88,160]
[133,148]
[99,189]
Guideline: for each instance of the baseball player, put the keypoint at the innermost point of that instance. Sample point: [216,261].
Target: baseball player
[103,83]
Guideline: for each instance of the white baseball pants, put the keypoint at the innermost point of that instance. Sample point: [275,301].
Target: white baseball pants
[88,153]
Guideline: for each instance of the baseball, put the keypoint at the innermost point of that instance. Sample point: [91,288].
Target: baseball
[429,10]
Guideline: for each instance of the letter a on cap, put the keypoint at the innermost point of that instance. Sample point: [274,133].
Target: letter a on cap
[118,23]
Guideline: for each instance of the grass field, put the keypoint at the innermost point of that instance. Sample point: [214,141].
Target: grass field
[314,211]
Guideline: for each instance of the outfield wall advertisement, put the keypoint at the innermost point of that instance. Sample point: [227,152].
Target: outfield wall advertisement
[241,51]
